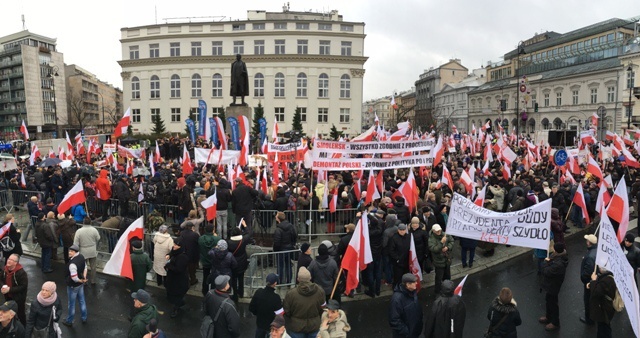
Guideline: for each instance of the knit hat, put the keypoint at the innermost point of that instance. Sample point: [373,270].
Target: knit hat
[221,281]
[327,243]
[558,247]
[222,245]
[49,286]
[136,243]
[74,248]
[142,296]
[323,250]
[305,246]
[629,237]
[60,216]
[415,220]
[402,226]
[304,275]
[436,228]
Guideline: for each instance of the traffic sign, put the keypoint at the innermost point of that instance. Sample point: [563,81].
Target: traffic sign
[560,157]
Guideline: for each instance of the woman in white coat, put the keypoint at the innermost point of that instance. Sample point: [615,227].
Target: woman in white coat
[162,245]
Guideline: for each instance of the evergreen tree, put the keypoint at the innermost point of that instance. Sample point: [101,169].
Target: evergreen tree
[334,133]
[223,117]
[258,113]
[129,131]
[158,126]
[297,122]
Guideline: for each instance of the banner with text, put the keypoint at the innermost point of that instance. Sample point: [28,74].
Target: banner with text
[528,228]
[347,163]
[359,148]
[133,153]
[611,257]
[228,156]
[287,152]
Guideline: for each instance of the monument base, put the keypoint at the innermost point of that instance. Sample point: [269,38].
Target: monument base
[237,111]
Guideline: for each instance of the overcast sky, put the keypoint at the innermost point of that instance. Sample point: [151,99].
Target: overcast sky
[404,37]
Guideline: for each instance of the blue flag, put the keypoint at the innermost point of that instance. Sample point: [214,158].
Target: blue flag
[263,129]
[192,129]
[202,116]
[235,131]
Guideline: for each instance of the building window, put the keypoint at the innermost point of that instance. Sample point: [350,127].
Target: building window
[303,114]
[280,25]
[216,84]
[216,48]
[217,111]
[134,52]
[631,77]
[546,99]
[346,28]
[302,25]
[175,114]
[196,48]
[258,85]
[611,94]
[344,115]
[324,27]
[323,85]
[279,85]
[558,99]
[323,115]
[325,47]
[345,86]
[279,46]
[303,46]
[279,112]
[302,85]
[196,85]
[258,26]
[174,49]
[154,85]
[154,50]
[345,49]
[534,100]
[155,114]
[135,87]
[258,47]
[574,97]
[594,95]
[135,115]
[238,47]
[238,27]
[175,85]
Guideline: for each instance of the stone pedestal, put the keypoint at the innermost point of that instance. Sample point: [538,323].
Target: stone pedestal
[237,111]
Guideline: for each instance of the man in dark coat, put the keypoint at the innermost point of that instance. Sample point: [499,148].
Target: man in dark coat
[602,286]
[265,304]
[554,269]
[305,256]
[405,311]
[447,315]
[177,282]
[242,199]
[189,240]
[404,214]
[16,281]
[399,246]
[122,192]
[632,252]
[586,269]
[140,264]
[373,273]
[228,323]
[284,239]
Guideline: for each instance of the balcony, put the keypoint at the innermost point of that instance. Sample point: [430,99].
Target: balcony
[13,112]
[11,75]
[10,123]
[10,63]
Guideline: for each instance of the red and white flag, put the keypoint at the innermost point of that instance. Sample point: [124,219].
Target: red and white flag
[408,190]
[358,254]
[594,119]
[481,195]
[187,167]
[593,168]
[458,290]
[437,152]
[157,158]
[372,192]
[75,196]
[23,182]
[414,265]
[618,209]
[222,137]
[35,153]
[123,125]
[603,198]
[245,129]
[506,171]
[629,159]
[80,150]
[129,169]
[141,192]
[151,165]
[264,184]
[24,130]
[446,177]
[466,180]
[120,262]
[274,133]
[367,136]
[578,199]
[5,229]
[333,204]
[211,205]
[52,154]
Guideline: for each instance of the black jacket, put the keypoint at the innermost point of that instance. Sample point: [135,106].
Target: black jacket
[242,198]
[284,237]
[189,241]
[13,330]
[223,194]
[228,323]
[304,260]
[447,315]
[404,214]
[375,235]
[507,328]
[399,249]
[421,240]
[553,272]
[601,309]
[222,263]
[40,316]
[264,303]
[177,282]
[324,271]
[239,250]
[121,191]
[588,264]
[633,256]
[405,313]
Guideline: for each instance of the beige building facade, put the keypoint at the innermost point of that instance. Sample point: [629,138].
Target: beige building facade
[430,83]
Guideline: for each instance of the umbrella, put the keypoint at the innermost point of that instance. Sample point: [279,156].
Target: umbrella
[49,162]
[65,164]
[141,171]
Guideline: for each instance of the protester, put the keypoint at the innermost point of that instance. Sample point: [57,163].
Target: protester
[587,267]
[45,312]
[66,231]
[162,246]
[334,321]
[398,251]
[278,330]
[13,245]
[10,326]
[447,315]
[304,258]
[153,331]
[15,284]
[177,282]
[324,272]
[440,245]
[503,316]
[284,239]
[405,311]
[238,242]
[189,240]
[140,265]
[87,239]
[553,272]
[145,312]
[603,290]
[76,278]
[228,323]
[633,253]
[303,307]
[266,305]
[222,262]
[206,242]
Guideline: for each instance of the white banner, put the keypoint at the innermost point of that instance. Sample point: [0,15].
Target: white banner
[530,228]
[611,257]
[228,156]
[372,147]
[347,163]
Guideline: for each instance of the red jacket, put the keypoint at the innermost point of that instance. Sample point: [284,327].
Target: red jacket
[103,186]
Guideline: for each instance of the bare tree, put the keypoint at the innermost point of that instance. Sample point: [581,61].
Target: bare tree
[76,104]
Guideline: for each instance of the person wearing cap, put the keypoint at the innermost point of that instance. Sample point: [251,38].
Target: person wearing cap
[206,242]
[405,310]
[140,264]
[373,272]
[334,321]
[177,281]
[398,251]
[45,310]
[554,269]
[162,246]
[153,331]
[87,238]
[324,272]
[145,312]
[122,193]
[304,259]
[303,307]
[420,239]
[76,278]
[228,322]
[586,269]
[447,314]
[15,284]
[284,239]
[632,252]
[346,239]
[277,329]
[189,239]
[440,246]
[266,304]
[238,242]
[603,290]
[9,326]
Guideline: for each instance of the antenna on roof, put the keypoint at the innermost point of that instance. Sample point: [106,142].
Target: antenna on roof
[24,25]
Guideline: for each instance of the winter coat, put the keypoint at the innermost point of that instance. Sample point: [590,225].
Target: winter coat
[337,328]
[87,238]
[404,214]
[421,240]
[15,236]
[162,246]
[184,199]
[507,328]
[304,260]
[238,247]
[344,243]
[33,208]
[140,264]
[206,242]
[375,235]
[242,199]
[121,191]
[18,291]
[324,272]
[103,187]
[14,329]
[405,313]
[557,227]
[391,228]
[553,272]
[78,213]
[284,237]
[112,223]
[140,320]
[588,264]
[303,308]
[46,233]
[189,241]
[440,259]
[66,230]
[498,197]
[447,315]
[468,243]
[222,263]
[264,303]
[40,316]
[399,249]
[601,309]
[177,282]
[633,256]
[228,323]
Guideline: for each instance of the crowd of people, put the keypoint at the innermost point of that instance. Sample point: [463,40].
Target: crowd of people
[313,306]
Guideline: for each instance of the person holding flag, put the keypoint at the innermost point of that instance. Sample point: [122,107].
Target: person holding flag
[405,311]
[447,315]
[440,245]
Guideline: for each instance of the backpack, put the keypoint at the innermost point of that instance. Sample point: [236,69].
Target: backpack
[207,328]
[151,192]
[616,302]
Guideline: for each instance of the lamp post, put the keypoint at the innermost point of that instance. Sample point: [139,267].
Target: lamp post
[630,85]
[521,51]
[53,72]
[102,97]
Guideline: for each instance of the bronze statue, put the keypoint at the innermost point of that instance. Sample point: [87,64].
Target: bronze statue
[239,80]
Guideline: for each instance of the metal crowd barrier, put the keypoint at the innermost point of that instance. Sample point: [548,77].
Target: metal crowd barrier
[262,263]
[19,198]
[307,222]
[4,200]
[114,208]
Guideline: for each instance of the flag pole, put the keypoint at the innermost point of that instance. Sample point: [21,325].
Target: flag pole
[569,212]
[335,285]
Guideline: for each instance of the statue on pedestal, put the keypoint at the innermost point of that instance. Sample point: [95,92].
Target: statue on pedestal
[239,80]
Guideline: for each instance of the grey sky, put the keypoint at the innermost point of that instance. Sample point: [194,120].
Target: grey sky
[404,37]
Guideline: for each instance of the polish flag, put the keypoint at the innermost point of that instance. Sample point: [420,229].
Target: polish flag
[466,180]
[69,144]
[61,154]
[80,150]
[367,136]
[629,159]
[372,192]
[506,171]
[458,290]
[75,196]
[333,204]
[358,254]
[486,126]
[264,183]
[89,151]
[274,133]
[120,262]
[594,168]
[437,152]
[574,167]
[408,190]
[243,123]
[446,177]
[24,130]
[603,197]
[594,119]
[473,129]
[23,182]
[211,205]
[480,198]
[414,265]
[152,165]
[578,199]
[207,130]
[568,176]
[141,192]
[485,169]
[618,209]
[123,125]
[222,137]
[35,153]
[52,154]
[187,167]
[587,138]
[325,196]
[265,146]
[380,180]
[129,167]
[608,181]
[357,185]
[5,229]
[157,158]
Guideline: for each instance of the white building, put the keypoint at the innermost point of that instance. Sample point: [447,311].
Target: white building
[452,102]
[295,59]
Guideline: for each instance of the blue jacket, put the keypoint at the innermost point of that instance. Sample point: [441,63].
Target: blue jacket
[78,213]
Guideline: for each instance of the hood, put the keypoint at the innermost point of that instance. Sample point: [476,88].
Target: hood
[307,288]
[341,321]
[504,308]
[220,254]
[561,256]
[209,240]
[323,260]
[555,214]
[162,238]
[103,173]
[146,313]
[399,201]
[448,287]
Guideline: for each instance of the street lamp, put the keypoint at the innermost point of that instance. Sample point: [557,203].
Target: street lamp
[53,72]
[101,97]
[630,84]
[521,51]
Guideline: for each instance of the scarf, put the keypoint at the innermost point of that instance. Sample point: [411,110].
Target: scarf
[10,273]
[47,301]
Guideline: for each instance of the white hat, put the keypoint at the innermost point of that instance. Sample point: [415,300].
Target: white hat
[591,238]
[436,228]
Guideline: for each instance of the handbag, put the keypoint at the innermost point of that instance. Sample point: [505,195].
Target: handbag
[489,332]
[207,328]
[44,332]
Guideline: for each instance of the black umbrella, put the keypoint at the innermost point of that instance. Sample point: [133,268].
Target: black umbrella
[50,162]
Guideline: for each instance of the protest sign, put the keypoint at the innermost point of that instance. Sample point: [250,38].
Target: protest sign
[361,148]
[347,163]
[228,156]
[125,152]
[611,257]
[287,152]
[529,227]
